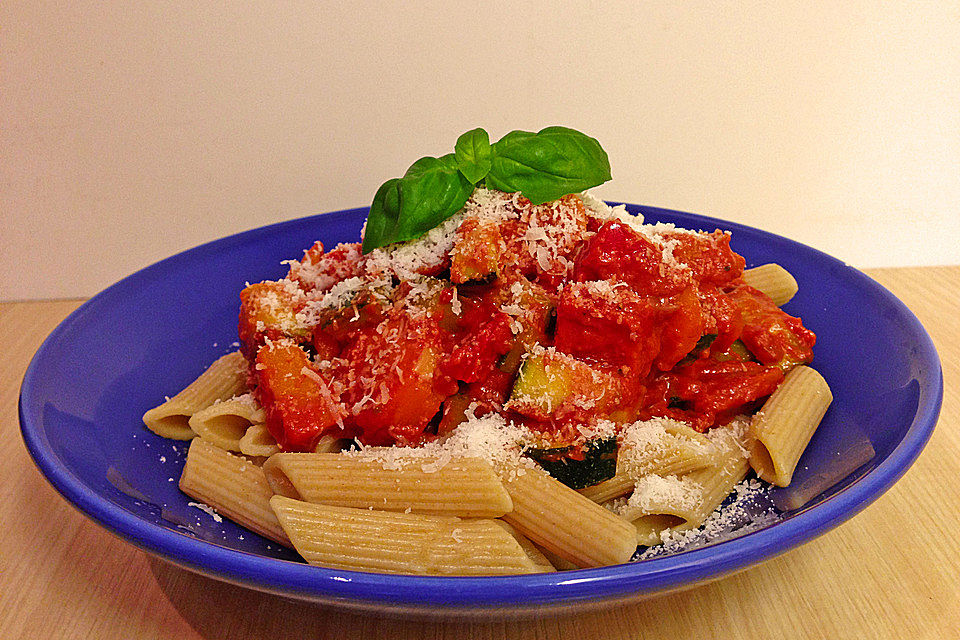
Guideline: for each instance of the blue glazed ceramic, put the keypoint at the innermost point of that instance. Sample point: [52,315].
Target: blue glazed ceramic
[153,332]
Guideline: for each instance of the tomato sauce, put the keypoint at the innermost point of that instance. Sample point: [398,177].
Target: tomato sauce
[661,319]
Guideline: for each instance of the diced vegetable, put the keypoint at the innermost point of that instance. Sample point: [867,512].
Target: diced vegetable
[269,310]
[393,377]
[476,254]
[773,336]
[579,465]
[710,391]
[301,403]
[616,326]
[553,385]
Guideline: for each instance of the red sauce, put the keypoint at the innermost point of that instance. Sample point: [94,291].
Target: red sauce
[672,330]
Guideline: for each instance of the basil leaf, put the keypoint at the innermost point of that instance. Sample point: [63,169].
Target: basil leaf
[547,165]
[383,216]
[543,166]
[473,154]
[431,190]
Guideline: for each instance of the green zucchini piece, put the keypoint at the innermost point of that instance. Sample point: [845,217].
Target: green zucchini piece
[703,343]
[543,383]
[579,466]
[737,350]
[551,384]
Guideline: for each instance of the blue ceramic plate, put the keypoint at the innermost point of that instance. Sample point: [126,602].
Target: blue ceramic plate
[155,331]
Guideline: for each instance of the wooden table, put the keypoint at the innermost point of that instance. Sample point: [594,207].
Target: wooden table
[892,571]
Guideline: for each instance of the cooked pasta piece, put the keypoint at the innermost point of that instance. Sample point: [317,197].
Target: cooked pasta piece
[650,527]
[661,447]
[226,423]
[225,378]
[785,424]
[258,441]
[557,518]
[560,564]
[233,486]
[680,504]
[329,444]
[620,484]
[536,555]
[465,486]
[717,481]
[389,542]
[660,503]
[773,280]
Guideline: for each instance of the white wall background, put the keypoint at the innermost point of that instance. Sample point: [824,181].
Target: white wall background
[132,130]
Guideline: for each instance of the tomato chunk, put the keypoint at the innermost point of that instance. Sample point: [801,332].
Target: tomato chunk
[721,316]
[301,403]
[681,330]
[611,325]
[618,252]
[478,350]
[663,263]
[708,256]
[393,379]
[773,336]
[708,392]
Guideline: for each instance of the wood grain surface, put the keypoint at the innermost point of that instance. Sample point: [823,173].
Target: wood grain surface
[893,571]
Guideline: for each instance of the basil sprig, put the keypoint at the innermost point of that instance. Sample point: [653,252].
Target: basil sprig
[474,154]
[542,166]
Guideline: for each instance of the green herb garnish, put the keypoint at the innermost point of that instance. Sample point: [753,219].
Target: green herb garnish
[542,166]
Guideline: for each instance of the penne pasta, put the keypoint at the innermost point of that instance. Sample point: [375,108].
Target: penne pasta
[784,426]
[233,486]
[662,503]
[226,423]
[536,555]
[225,378]
[257,441]
[557,518]
[773,280]
[329,444]
[388,542]
[718,480]
[662,448]
[650,527]
[559,564]
[619,485]
[465,487]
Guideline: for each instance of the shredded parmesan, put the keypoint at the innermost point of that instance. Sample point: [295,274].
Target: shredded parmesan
[490,437]
[207,509]
[748,509]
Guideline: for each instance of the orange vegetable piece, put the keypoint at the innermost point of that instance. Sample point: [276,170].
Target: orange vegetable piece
[301,403]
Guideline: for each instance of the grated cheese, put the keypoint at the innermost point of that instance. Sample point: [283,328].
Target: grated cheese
[490,437]
[651,491]
[207,509]
[407,260]
[748,509]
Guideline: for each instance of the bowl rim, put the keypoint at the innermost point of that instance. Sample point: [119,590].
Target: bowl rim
[353,588]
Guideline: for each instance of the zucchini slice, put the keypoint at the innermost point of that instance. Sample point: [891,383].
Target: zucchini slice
[580,465]
[554,385]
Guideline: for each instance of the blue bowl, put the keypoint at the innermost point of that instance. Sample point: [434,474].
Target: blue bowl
[153,332]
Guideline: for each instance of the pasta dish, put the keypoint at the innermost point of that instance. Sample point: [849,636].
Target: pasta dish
[525,385]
